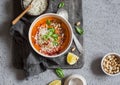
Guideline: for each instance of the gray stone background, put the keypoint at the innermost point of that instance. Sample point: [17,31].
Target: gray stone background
[101,20]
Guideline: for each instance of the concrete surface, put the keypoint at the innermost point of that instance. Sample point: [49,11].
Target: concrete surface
[102,35]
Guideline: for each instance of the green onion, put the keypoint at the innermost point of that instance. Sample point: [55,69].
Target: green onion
[61,4]
[48,22]
[79,30]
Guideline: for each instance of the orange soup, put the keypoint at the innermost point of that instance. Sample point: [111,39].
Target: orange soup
[50,36]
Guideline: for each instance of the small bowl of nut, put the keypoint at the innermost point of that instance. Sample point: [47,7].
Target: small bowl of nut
[110,64]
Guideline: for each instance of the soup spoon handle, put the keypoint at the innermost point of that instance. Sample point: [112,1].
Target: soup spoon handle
[63,13]
[78,44]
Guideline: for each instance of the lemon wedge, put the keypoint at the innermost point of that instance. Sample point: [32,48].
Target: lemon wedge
[72,58]
[55,82]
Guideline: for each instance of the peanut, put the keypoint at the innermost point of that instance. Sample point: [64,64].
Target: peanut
[78,24]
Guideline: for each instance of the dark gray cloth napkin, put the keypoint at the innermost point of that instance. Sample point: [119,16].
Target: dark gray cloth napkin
[23,55]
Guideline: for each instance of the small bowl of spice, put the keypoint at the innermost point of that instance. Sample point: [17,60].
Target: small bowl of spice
[38,6]
[110,64]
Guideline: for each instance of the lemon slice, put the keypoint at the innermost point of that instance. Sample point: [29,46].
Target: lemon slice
[72,58]
[55,82]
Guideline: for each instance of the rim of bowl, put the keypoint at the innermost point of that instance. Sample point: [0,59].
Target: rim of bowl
[75,76]
[112,53]
[53,56]
[23,8]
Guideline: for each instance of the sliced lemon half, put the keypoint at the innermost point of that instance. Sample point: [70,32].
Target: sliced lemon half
[55,82]
[72,58]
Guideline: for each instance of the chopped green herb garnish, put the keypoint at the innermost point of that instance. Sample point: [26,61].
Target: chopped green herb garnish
[51,30]
[50,33]
[55,43]
[79,30]
[56,39]
[55,35]
[61,4]
[45,37]
[48,22]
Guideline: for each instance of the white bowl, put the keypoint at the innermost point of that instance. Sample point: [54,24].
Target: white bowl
[64,21]
[103,60]
[75,78]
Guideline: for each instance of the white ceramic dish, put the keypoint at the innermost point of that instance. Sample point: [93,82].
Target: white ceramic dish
[102,64]
[64,21]
[75,80]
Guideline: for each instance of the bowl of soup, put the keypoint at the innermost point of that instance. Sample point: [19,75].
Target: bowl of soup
[50,35]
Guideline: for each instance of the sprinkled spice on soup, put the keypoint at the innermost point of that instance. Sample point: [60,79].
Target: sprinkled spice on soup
[48,36]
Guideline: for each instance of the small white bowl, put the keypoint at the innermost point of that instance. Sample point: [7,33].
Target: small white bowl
[75,80]
[116,54]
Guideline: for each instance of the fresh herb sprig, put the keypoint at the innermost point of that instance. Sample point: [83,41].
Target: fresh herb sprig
[61,4]
[59,72]
[79,30]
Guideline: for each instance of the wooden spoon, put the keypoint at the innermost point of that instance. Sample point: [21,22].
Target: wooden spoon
[21,15]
